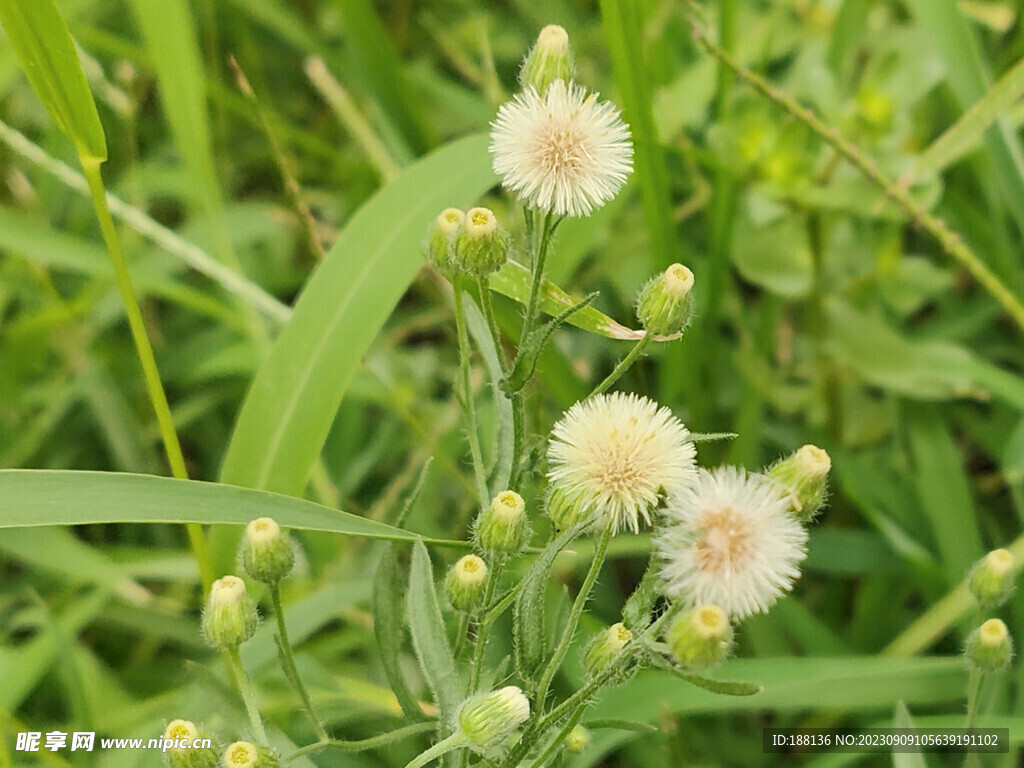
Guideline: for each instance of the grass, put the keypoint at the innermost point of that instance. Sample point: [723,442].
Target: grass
[843,178]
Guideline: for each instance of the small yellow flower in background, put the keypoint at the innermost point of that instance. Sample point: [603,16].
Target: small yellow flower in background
[244,754]
[616,457]
[730,541]
[563,152]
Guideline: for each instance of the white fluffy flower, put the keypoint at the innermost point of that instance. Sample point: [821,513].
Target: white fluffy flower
[564,152]
[616,455]
[729,540]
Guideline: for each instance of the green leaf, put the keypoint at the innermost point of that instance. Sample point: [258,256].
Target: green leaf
[847,684]
[944,491]
[966,132]
[776,257]
[429,637]
[528,632]
[721,687]
[621,725]
[901,759]
[513,280]
[295,395]
[387,628]
[30,497]
[43,44]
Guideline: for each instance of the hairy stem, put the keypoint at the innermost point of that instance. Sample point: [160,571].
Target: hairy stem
[468,406]
[623,365]
[288,662]
[574,617]
[248,695]
[361,745]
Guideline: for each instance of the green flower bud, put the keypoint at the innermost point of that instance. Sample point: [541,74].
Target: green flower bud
[441,239]
[989,648]
[230,616]
[486,720]
[565,508]
[245,754]
[550,59]
[266,554]
[605,647]
[701,637]
[665,305]
[481,244]
[804,478]
[465,583]
[577,740]
[502,528]
[180,735]
[991,579]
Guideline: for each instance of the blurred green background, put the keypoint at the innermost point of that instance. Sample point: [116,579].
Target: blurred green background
[824,314]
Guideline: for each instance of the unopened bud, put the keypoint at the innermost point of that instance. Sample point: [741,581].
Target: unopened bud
[989,648]
[502,527]
[577,740]
[803,477]
[605,647]
[550,59]
[266,553]
[481,245]
[181,735]
[466,582]
[230,617]
[991,579]
[700,637]
[441,239]
[665,304]
[565,508]
[245,754]
[486,720]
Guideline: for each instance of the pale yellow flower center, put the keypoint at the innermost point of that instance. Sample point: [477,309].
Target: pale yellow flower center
[227,590]
[508,506]
[241,754]
[449,220]
[710,621]
[480,222]
[472,570]
[181,729]
[553,39]
[813,461]
[726,540]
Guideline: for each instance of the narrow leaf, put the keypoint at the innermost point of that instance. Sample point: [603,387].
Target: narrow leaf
[387,628]
[292,402]
[43,44]
[428,635]
[723,687]
[34,497]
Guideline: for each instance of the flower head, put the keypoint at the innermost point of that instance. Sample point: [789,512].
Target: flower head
[550,59]
[465,583]
[700,637]
[617,456]
[502,527]
[487,719]
[265,552]
[989,647]
[730,541]
[563,151]
[230,616]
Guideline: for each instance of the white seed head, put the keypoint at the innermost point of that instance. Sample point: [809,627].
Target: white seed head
[564,151]
[730,541]
[617,456]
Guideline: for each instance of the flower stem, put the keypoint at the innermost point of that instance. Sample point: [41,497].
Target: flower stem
[248,695]
[974,681]
[539,255]
[623,365]
[443,747]
[144,350]
[288,662]
[468,407]
[574,617]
